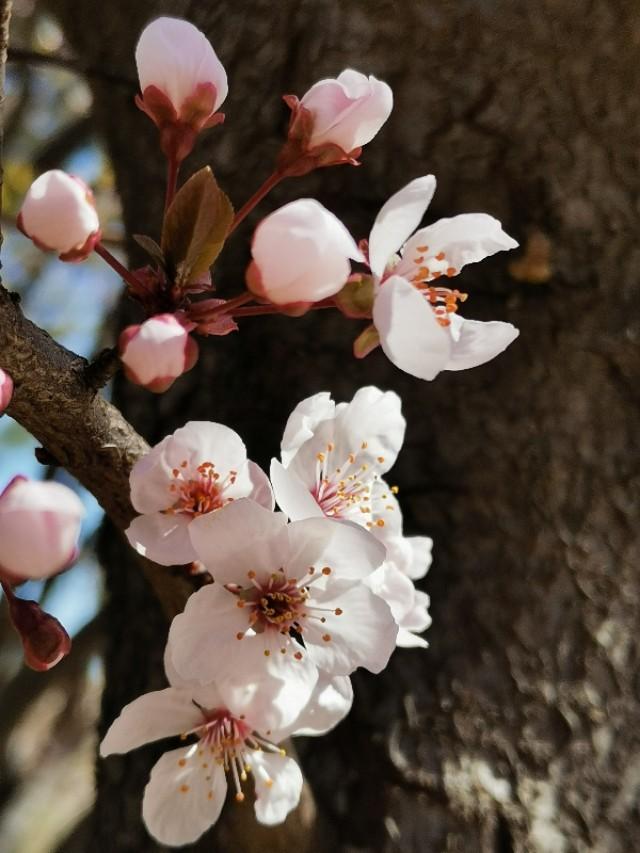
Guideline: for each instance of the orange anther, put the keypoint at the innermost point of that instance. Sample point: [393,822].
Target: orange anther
[440,256]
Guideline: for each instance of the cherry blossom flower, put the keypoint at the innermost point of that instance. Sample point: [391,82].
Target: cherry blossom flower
[300,254]
[6,390]
[182,80]
[287,601]
[333,461]
[59,215]
[157,352]
[348,111]
[39,528]
[197,470]
[412,312]
[188,785]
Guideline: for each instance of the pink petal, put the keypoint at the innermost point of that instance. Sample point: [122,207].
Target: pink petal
[292,496]
[278,785]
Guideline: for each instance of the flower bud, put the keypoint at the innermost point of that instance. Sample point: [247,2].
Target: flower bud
[39,528]
[59,215]
[347,112]
[6,390]
[44,639]
[300,254]
[156,352]
[182,81]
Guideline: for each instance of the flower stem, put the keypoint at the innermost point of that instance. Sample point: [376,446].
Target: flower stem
[115,264]
[230,306]
[255,310]
[255,199]
[173,167]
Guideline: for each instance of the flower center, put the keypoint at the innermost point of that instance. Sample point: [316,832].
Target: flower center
[202,492]
[226,741]
[283,605]
[346,490]
[443,300]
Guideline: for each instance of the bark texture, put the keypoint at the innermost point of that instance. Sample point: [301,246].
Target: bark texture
[518,729]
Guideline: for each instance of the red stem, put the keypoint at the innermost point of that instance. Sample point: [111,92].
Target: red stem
[255,310]
[115,264]
[255,199]
[230,305]
[173,167]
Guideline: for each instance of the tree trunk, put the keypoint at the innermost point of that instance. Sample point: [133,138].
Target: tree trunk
[517,729]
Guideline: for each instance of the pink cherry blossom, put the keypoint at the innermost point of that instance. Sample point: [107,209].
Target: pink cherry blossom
[188,785]
[334,458]
[347,112]
[199,469]
[6,390]
[416,318]
[287,602]
[58,214]
[300,254]
[182,80]
[39,528]
[157,352]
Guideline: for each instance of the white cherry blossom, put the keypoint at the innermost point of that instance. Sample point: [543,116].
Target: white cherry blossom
[199,469]
[415,315]
[188,785]
[287,602]
[334,457]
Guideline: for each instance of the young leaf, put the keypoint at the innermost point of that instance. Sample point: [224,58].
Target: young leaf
[151,248]
[195,227]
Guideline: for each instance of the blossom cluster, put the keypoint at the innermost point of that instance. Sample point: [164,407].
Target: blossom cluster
[294,600]
[301,254]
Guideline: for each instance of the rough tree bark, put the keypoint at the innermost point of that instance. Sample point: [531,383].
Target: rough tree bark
[517,730]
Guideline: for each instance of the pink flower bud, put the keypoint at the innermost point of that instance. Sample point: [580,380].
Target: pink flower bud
[347,112]
[59,215]
[6,390]
[44,639]
[155,353]
[39,528]
[182,81]
[300,254]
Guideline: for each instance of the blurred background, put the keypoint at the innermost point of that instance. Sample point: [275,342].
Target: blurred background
[517,731]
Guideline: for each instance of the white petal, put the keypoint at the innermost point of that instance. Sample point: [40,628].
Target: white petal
[278,784]
[270,690]
[463,239]
[150,479]
[364,634]
[162,537]
[163,713]
[292,496]
[476,342]
[410,335]
[411,554]
[398,218]
[261,491]
[204,441]
[182,799]
[330,703]
[302,422]
[348,550]
[240,537]
[373,417]
[205,633]
[408,640]
[393,587]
